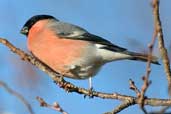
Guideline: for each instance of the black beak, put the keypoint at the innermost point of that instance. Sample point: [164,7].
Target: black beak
[24,31]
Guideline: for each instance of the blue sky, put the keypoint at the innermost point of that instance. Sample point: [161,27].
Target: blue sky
[128,23]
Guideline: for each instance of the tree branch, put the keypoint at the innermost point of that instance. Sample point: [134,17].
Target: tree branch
[19,96]
[55,106]
[145,78]
[161,45]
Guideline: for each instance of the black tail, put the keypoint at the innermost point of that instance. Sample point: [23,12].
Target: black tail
[143,57]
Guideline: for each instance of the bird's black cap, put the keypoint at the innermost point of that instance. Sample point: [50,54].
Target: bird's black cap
[25,29]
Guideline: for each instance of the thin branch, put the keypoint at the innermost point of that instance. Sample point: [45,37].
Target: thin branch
[161,45]
[141,94]
[55,106]
[133,87]
[19,96]
[145,78]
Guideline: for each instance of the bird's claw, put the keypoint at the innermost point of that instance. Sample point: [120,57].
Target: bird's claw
[90,93]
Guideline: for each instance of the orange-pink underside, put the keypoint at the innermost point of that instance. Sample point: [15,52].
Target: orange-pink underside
[56,52]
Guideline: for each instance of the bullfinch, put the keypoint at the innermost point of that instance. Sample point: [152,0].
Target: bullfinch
[71,50]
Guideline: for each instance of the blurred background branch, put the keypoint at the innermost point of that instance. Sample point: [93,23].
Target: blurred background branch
[19,96]
[55,105]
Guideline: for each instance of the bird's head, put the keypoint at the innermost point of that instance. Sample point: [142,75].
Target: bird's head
[33,20]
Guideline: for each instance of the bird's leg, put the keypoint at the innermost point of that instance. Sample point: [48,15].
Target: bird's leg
[90,83]
[90,87]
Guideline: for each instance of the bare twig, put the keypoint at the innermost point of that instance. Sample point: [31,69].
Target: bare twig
[55,106]
[133,87]
[161,45]
[19,96]
[157,33]
[147,74]
[141,94]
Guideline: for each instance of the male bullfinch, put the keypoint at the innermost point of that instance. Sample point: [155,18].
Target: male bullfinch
[72,50]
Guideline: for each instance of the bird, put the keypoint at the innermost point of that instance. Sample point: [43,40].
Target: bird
[71,50]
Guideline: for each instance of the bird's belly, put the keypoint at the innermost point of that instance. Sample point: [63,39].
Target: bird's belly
[79,71]
[72,59]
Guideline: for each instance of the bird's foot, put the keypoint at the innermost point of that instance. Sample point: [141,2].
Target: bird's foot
[90,93]
[91,89]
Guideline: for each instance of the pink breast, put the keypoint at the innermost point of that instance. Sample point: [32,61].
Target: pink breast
[56,52]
